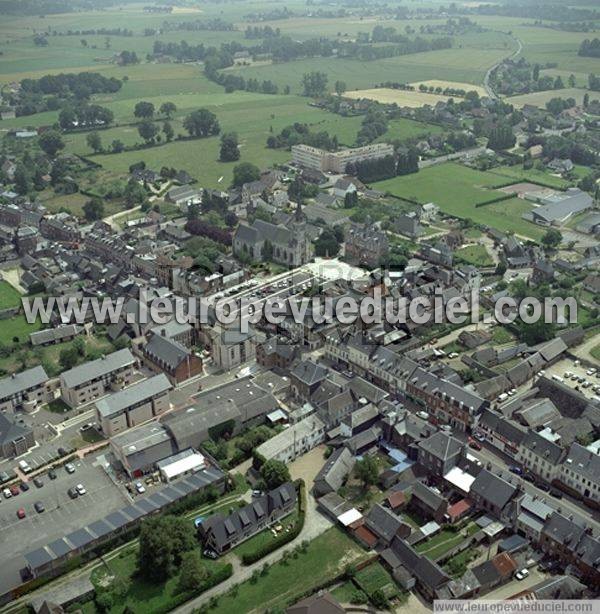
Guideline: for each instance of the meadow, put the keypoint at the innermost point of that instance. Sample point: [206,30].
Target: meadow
[539,99]
[457,189]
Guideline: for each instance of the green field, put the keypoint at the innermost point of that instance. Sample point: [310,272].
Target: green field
[325,557]
[539,99]
[456,189]
[9,297]
[477,255]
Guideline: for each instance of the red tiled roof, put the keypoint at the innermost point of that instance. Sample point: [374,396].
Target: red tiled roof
[396,499]
[365,536]
[505,564]
[459,508]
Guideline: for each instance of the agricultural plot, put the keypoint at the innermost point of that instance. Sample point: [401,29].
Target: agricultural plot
[457,189]
[539,99]
[400,97]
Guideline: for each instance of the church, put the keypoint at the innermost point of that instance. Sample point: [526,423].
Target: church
[288,245]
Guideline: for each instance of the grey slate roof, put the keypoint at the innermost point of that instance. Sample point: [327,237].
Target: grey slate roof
[383,522]
[166,351]
[10,430]
[139,392]
[309,372]
[335,470]
[97,368]
[542,447]
[441,446]
[14,384]
[493,489]
[433,500]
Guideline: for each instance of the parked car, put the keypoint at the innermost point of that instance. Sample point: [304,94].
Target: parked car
[211,554]
[479,437]
[521,574]
[39,507]
[80,489]
[38,482]
[529,478]
[21,513]
[70,468]
[52,474]
[72,492]
[474,444]
[7,494]
[256,493]
[140,488]
[516,470]
[24,466]
[557,494]
[24,486]
[543,486]
[14,490]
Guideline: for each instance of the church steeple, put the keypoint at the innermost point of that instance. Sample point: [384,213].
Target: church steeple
[299,215]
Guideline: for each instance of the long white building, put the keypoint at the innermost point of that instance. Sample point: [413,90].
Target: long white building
[336,162]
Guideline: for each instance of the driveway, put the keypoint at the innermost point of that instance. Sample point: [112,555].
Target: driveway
[514,587]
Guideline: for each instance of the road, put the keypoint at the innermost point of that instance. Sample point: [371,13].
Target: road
[488,74]
[584,351]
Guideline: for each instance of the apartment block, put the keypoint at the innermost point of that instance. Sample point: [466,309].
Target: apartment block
[134,405]
[337,161]
[94,379]
[24,390]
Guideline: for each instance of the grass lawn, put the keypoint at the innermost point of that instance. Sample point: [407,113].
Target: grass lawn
[344,592]
[596,352]
[374,577]
[501,335]
[456,189]
[325,557]
[476,255]
[520,174]
[9,296]
[444,541]
[18,328]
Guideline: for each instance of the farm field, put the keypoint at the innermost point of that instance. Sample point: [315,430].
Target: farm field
[539,99]
[456,189]
[400,97]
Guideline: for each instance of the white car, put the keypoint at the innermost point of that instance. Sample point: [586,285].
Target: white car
[140,488]
[453,355]
[7,494]
[522,574]
[80,489]
[591,371]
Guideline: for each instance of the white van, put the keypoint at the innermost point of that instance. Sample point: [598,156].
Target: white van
[558,378]
[24,467]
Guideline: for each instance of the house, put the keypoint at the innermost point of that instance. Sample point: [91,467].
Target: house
[134,405]
[494,572]
[359,420]
[402,559]
[168,356]
[306,377]
[408,225]
[561,166]
[334,472]
[344,186]
[501,432]
[439,453]
[58,334]
[221,533]
[541,456]
[366,245]
[25,390]
[428,502]
[579,473]
[276,352]
[592,284]
[429,212]
[293,441]
[95,378]
[317,604]
[385,525]
[531,515]
[16,437]
[492,493]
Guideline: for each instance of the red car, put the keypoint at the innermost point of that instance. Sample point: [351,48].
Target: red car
[14,490]
[20,513]
[474,444]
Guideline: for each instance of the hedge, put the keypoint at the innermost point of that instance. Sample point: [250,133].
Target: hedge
[285,538]
[498,199]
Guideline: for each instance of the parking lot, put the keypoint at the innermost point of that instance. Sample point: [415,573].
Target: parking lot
[61,516]
[591,381]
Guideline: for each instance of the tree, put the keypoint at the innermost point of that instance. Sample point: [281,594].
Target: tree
[163,542]
[51,142]
[572,81]
[230,151]
[245,173]
[148,131]
[314,83]
[94,141]
[68,358]
[327,245]
[274,473]
[202,123]
[367,471]
[167,109]
[340,87]
[144,110]
[193,572]
[117,146]
[93,209]
[552,238]
[168,131]
[134,194]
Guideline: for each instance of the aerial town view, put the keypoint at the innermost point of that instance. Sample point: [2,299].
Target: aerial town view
[299,306]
